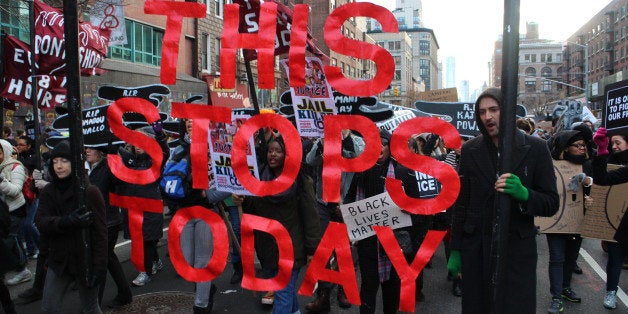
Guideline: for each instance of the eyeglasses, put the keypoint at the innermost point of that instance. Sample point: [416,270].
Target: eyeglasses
[579,146]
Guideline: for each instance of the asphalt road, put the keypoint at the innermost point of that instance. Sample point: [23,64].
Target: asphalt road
[233,299]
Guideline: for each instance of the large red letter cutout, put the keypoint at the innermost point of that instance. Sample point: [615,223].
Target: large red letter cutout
[291,166]
[218,259]
[298,40]
[443,172]
[264,41]
[149,145]
[408,274]
[286,253]
[336,41]
[333,162]
[201,116]
[334,239]
[136,206]
[175,11]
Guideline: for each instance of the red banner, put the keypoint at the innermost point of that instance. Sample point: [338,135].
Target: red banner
[50,43]
[249,23]
[17,82]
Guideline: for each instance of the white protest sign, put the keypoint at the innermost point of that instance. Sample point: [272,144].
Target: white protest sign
[378,210]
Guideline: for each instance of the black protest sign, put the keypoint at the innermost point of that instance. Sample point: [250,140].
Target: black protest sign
[154,93]
[96,132]
[429,187]
[460,115]
[569,112]
[616,108]
[29,128]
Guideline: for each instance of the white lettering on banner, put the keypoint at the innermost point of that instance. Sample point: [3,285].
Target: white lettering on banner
[18,55]
[15,87]
[89,58]
[49,45]
[378,210]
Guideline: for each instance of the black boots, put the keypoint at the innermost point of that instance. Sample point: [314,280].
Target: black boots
[321,303]
[342,298]
[237,273]
[210,303]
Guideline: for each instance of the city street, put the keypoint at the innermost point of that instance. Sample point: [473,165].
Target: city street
[153,298]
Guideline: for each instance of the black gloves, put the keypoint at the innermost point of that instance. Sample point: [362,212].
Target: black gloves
[319,147]
[347,144]
[80,218]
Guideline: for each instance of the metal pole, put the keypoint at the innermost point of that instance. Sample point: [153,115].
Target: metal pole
[249,77]
[70,15]
[510,70]
[34,83]
[2,102]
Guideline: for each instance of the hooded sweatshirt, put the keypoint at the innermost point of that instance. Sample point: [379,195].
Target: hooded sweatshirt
[13,176]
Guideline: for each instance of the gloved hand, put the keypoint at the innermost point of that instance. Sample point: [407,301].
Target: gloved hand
[158,126]
[37,175]
[575,182]
[454,265]
[319,147]
[601,140]
[95,278]
[347,144]
[79,218]
[515,189]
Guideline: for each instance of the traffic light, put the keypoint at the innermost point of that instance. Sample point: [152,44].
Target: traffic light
[395,91]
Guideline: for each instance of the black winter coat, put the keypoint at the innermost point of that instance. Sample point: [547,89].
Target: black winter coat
[103,179]
[473,216]
[65,252]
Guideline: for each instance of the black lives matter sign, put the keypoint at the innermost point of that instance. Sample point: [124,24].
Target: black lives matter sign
[616,109]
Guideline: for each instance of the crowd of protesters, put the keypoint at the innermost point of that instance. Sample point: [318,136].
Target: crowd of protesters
[50,227]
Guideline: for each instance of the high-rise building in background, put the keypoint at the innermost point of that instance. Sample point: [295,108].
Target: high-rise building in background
[450,72]
[463,91]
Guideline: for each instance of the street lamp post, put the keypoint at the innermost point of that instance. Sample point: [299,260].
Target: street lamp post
[586,68]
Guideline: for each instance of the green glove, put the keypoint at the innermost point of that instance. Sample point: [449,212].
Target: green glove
[515,189]
[454,265]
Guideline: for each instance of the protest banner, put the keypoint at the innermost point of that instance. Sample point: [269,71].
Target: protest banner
[460,115]
[109,14]
[378,210]
[609,207]
[220,146]
[616,108]
[313,100]
[570,213]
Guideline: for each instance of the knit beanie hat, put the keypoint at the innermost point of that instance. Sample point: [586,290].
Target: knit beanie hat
[61,150]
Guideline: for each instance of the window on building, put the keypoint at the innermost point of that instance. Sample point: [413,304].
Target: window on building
[205,49]
[546,57]
[397,75]
[397,60]
[546,72]
[530,71]
[14,19]
[334,61]
[529,57]
[218,7]
[217,47]
[424,48]
[143,44]
[559,57]
[546,86]
[530,86]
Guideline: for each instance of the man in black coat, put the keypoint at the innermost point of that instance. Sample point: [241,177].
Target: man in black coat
[532,189]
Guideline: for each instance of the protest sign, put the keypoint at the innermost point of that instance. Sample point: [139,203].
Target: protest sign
[616,109]
[460,115]
[570,213]
[428,185]
[378,210]
[109,14]
[233,98]
[440,95]
[220,146]
[313,100]
[609,207]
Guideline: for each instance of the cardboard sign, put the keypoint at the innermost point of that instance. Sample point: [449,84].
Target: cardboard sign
[609,206]
[616,109]
[378,210]
[233,98]
[440,95]
[570,213]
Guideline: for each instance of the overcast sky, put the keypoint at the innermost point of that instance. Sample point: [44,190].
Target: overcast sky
[468,30]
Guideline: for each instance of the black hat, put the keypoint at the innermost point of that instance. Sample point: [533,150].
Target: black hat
[61,150]
[384,136]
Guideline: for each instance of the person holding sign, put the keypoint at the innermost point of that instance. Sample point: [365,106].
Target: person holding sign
[532,189]
[375,267]
[617,251]
[296,211]
[568,145]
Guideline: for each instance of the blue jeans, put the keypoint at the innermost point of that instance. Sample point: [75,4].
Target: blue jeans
[234,219]
[56,288]
[197,244]
[286,301]
[28,231]
[563,251]
[616,255]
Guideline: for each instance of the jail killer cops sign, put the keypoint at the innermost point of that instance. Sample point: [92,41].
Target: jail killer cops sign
[378,210]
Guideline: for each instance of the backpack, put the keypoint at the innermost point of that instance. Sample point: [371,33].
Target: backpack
[174,181]
[29,194]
